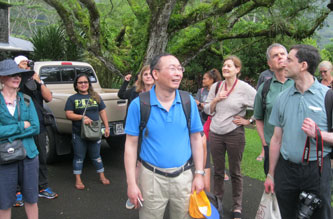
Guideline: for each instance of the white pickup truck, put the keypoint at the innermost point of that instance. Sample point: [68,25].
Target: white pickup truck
[58,76]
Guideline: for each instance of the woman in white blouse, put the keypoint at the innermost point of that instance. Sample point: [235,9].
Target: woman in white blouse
[228,107]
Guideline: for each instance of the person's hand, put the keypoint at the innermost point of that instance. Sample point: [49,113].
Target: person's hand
[87,120]
[133,193]
[238,120]
[26,124]
[128,77]
[198,183]
[269,184]
[309,127]
[107,132]
[221,95]
[36,77]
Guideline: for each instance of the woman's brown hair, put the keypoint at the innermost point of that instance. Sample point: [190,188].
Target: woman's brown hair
[140,86]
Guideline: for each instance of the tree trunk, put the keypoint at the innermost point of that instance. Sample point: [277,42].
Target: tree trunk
[158,37]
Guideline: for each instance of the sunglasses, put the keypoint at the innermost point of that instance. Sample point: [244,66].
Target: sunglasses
[16,75]
[83,82]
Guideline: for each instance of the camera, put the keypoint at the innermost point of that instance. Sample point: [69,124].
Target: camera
[31,64]
[308,204]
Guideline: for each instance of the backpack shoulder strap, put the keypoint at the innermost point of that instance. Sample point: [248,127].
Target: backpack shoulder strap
[144,116]
[186,104]
[218,87]
[329,108]
[264,93]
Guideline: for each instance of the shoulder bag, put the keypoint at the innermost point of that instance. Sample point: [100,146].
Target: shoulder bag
[91,132]
[12,151]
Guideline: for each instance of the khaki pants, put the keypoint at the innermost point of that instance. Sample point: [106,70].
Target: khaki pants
[158,191]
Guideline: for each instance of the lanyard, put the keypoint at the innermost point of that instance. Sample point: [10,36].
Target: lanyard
[319,148]
[233,86]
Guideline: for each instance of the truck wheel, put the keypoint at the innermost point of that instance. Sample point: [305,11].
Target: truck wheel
[116,141]
[51,153]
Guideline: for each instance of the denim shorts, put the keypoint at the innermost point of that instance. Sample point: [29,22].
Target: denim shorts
[23,173]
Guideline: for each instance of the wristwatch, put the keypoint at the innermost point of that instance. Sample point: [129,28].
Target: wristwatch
[251,121]
[201,172]
[41,82]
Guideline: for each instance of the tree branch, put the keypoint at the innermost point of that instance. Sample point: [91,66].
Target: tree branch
[203,12]
[94,24]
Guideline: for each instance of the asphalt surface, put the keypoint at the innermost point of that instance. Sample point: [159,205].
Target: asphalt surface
[108,201]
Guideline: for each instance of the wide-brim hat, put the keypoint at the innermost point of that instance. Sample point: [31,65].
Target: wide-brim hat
[9,67]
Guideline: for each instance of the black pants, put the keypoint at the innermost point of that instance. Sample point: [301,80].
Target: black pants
[291,179]
[40,141]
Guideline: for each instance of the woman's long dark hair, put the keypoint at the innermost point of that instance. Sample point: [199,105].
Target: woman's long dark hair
[91,91]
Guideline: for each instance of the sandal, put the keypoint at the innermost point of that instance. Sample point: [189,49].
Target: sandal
[79,186]
[236,215]
[260,158]
[226,177]
[105,181]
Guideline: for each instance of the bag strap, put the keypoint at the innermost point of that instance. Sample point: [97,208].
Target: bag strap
[264,92]
[329,112]
[38,105]
[144,116]
[85,109]
[186,104]
[218,87]
[18,107]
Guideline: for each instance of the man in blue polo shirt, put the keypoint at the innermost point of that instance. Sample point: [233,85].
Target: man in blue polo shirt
[167,148]
[294,114]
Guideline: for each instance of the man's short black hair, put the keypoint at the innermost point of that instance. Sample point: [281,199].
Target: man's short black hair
[155,61]
[309,54]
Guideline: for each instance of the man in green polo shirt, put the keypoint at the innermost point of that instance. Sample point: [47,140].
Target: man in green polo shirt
[297,113]
[276,56]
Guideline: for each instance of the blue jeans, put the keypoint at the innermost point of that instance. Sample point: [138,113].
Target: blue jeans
[80,149]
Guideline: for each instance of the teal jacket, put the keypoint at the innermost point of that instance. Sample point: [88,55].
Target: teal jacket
[11,128]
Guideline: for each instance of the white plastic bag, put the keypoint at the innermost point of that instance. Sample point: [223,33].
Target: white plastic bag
[268,207]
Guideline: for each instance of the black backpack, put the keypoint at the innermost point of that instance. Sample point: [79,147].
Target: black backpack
[145,113]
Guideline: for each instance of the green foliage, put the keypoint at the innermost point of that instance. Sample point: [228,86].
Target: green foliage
[50,43]
[200,33]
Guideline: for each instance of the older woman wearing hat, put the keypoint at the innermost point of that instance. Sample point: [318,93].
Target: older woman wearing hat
[18,120]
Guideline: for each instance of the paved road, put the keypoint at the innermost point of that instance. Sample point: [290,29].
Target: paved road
[102,202]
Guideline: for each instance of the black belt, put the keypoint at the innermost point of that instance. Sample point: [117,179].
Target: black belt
[176,173]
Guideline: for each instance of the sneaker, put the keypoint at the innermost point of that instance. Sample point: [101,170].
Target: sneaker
[47,193]
[129,204]
[19,200]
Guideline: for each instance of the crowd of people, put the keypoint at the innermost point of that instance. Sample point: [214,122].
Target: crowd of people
[171,136]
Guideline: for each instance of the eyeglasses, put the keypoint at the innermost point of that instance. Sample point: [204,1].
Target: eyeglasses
[174,69]
[322,71]
[83,82]
[16,75]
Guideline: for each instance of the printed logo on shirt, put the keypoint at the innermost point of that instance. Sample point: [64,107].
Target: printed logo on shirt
[81,104]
